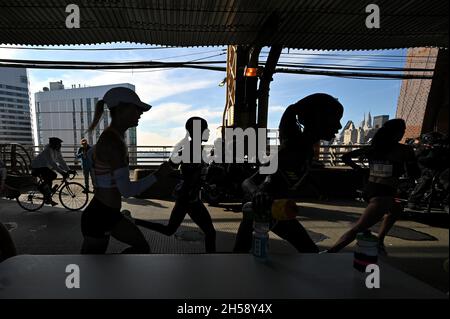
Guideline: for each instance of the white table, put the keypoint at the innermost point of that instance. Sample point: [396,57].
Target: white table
[219,276]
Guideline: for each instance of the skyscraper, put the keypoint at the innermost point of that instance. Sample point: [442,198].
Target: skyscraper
[15,116]
[68,113]
[351,134]
[379,120]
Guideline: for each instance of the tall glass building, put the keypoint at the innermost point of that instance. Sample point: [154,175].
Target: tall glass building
[15,115]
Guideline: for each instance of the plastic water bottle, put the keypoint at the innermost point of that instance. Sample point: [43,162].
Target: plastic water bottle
[260,244]
[366,251]
[261,227]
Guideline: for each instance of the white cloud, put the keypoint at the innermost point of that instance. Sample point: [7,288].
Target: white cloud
[176,114]
[154,139]
[164,123]
[150,87]
[277,109]
[170,137]
[10,53]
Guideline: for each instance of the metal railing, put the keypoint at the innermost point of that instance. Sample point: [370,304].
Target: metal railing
[19,156]
[330,155]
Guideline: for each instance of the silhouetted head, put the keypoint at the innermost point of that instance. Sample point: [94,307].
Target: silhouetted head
[316,116]
[202,125]
[389,134]
[55,143]
[395,127]
[124,106]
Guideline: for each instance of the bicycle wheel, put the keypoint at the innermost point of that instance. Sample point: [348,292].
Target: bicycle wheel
[30,198]
[73,196]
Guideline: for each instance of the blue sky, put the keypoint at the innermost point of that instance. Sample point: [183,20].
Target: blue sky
[177,94]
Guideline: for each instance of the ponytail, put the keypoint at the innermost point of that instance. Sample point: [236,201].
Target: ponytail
[99,108]
[291,127]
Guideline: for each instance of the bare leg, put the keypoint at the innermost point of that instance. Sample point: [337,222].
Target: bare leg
[128,233]
[7,247]
[389,221]
[176,218]
[243,242]
[293,232]
[94,246]
[201,217]
[372,214]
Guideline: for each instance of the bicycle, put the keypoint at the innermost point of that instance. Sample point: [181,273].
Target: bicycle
[73,196]
[433,198]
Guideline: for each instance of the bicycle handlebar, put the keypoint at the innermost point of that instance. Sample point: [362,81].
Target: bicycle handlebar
[70,175]
[74,173]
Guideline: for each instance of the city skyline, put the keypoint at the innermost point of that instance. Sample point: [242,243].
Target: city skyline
[177,94]
[363,133]
[40,136]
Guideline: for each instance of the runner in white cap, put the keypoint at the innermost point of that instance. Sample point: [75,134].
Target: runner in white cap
[111,177]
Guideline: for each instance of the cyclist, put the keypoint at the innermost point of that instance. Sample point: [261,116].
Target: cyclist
[44,165]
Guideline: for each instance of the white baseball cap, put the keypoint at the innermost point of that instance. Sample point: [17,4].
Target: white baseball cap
[118,95]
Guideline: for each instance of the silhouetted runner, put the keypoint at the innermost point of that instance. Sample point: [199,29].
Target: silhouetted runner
[303,124]
[111,177]
[388,160]
[188,191]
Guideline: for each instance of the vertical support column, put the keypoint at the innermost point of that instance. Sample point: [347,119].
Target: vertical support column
[241,93]
[230,98]
[264,85]
[246,105]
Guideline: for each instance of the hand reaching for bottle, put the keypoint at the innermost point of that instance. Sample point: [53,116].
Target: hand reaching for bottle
[262,202]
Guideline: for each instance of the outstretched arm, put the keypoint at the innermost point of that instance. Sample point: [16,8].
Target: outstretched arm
[61,162]
[257,190]
[113,152]
[347,158]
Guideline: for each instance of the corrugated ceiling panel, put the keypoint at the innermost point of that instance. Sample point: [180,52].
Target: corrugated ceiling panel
[311,24]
